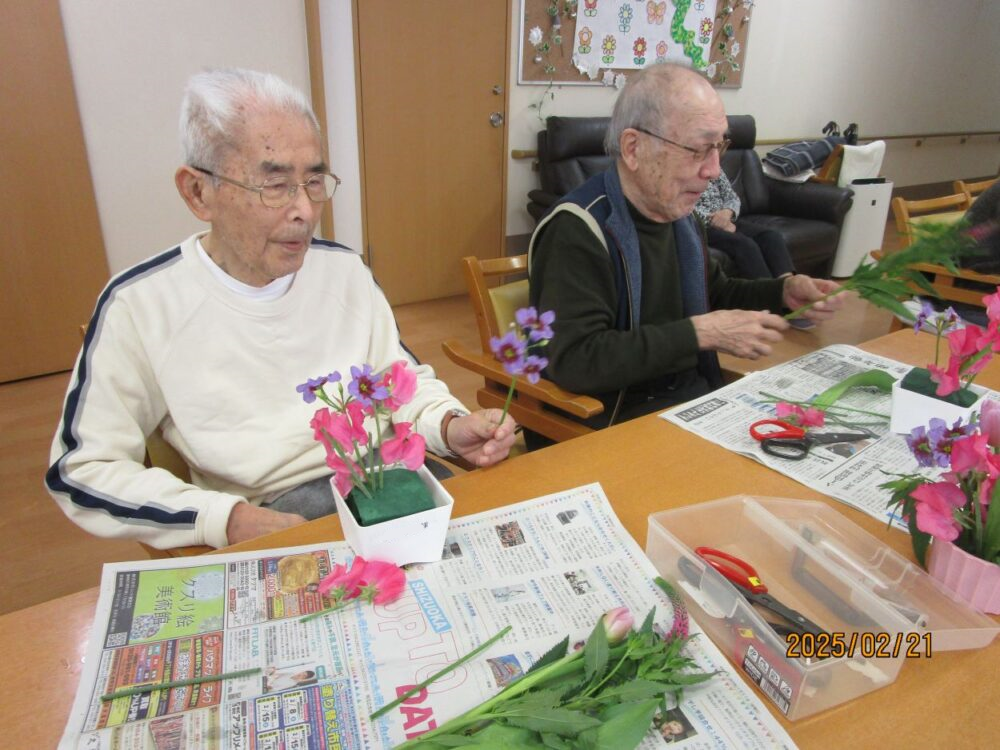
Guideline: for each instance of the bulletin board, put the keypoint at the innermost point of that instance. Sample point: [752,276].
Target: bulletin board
[590,41]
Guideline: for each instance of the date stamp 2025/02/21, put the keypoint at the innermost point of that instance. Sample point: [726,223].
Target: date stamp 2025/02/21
[867,645]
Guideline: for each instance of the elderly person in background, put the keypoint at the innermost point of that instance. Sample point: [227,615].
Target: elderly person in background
[641,309]
[208,341]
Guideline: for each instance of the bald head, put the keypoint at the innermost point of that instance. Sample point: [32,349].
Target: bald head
[660,95]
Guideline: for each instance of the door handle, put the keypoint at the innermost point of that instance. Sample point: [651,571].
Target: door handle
[496,119]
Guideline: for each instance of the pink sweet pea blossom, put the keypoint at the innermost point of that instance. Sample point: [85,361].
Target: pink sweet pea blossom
[965,341]
[382,582]
[406,447]
[342,477]
[344,583]
[811,417]
[401,383]
[970,454]
[947,380]
[935,506]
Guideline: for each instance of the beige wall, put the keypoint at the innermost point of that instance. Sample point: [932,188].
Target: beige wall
[130,61]
[930,68]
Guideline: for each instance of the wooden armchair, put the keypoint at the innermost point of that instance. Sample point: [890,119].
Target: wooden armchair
[972,189]
[944,210]
[542,406]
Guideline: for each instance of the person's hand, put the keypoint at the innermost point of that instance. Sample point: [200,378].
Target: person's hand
[800,290]
[248,521]
[723,219]
[742,333]
[479,438]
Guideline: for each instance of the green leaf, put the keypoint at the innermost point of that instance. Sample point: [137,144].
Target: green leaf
[624,725]
[647,624]
[556,742]
[868,379]
[888,302]
[919,539]
[635,690]
[561,721]
[551,656]
[504,737]
[595,652]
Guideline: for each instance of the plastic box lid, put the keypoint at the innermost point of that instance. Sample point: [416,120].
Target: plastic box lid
[876,607]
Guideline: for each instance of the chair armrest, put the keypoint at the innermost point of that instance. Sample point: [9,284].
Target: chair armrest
[544,390]
[808,200]
[543,197]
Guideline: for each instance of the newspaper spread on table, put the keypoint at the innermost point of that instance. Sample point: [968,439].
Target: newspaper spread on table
[548,567]
[849,472]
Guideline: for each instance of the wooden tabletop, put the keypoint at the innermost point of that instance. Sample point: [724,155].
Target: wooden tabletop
[644,466]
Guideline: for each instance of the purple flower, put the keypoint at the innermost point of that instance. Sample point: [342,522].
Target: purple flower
[365,388]
[308,389]
[538,327]
[926,312]
[509,352]
[533,367]
[920,445]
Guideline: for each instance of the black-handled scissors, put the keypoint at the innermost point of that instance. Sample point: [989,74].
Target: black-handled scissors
[749,584]
[784,440]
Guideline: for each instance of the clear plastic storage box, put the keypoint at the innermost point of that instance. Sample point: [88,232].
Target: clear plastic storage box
[875,607]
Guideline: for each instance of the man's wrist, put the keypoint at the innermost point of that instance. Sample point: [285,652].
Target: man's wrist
[446,420]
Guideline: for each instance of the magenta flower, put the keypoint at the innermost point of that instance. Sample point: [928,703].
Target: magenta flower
[947,380]
[343,480]
[365,388]
[936,505]
[308,389]
[406,447]
[509,351]
[538,327]
[617,624]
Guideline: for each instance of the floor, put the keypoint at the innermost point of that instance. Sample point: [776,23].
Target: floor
[46,556]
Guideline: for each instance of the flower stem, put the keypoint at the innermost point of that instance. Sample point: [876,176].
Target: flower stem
[510,396]
[322,612]
[797,312]
[454,665]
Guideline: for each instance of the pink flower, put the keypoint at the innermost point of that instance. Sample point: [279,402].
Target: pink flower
[936,505]
[617,623]
[342,477]
[965,341]
[811,417]
[402,384]
[344,583]
[405,447]
[342,429]
[947,380]
[970,454]
[382,582]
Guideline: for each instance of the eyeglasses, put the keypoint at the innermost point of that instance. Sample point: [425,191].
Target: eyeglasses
[278,192]
[699,154]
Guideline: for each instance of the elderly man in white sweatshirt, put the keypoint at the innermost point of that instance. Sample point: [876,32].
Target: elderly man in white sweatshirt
[207,342]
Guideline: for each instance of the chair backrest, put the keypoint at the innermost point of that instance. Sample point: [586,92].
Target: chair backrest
[972,189]
[571,151]
[944,210]
[495,305]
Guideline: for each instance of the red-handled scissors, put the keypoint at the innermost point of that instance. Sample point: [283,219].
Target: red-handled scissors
[784,440]
[748,583]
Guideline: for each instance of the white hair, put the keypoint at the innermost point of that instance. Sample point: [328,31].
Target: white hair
[646,100]
[215,105]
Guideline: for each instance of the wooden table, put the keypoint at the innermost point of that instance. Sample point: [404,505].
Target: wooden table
[646,465]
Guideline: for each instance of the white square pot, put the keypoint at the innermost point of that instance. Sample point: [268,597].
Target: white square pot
[418,537]
[911,409]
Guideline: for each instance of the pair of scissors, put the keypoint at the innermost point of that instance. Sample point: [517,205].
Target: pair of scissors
[753,589]
[784,440]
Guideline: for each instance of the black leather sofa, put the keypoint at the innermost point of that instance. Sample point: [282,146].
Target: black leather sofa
[808,215]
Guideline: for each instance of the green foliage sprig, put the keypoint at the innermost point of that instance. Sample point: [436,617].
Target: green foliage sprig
[603,695]
[884,281]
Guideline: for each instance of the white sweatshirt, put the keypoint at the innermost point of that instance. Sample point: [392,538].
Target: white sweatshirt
[170,347]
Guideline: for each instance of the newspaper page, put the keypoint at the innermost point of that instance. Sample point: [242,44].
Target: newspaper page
[548,567]
[849,472]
